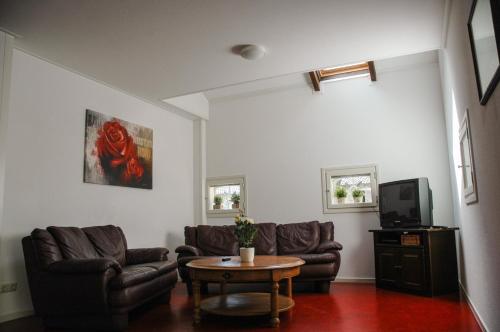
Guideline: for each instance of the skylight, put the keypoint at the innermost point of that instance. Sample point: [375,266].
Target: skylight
[353,70]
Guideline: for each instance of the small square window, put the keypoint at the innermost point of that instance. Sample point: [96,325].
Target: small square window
[226,196]
[350,189]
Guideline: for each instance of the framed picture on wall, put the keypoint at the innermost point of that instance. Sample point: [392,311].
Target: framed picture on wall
[484,35]
[117,152]
[469,186]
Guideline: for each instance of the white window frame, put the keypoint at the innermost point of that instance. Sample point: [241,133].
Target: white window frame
[224,181]
[327,173]
[469,192]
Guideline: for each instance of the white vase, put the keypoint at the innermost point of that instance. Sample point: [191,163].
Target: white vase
[247,255]
[340,200]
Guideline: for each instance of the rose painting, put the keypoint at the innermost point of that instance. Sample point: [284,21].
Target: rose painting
[117,152]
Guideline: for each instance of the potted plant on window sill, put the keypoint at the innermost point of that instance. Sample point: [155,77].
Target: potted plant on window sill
[341,194]
[245,232]
[357,195]
[217,202]
[235,198]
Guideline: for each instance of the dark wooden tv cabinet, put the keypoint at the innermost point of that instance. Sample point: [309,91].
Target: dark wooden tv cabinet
[418,260]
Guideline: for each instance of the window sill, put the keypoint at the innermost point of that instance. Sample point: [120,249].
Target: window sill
[349,208]
[223,213]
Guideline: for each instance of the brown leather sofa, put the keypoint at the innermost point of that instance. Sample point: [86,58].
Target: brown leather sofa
[311,241]
[86,278]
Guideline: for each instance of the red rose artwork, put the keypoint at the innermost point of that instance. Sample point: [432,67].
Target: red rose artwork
[117,152]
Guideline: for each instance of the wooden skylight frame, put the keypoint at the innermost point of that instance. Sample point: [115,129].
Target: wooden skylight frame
[342,72]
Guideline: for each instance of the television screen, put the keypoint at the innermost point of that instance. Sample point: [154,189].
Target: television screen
[399,202]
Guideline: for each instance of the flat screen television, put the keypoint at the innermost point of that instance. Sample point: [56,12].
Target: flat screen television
[405,203]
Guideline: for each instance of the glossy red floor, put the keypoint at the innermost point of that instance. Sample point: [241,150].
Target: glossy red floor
[349,307]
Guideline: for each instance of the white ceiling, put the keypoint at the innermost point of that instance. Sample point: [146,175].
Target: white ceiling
[266,85]
[159,49]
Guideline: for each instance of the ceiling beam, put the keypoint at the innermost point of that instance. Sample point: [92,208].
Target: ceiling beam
[315,80]
[371,68]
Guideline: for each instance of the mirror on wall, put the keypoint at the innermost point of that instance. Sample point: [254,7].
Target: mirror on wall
[484,24]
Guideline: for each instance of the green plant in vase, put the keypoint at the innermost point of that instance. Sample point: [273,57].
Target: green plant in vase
[217,202]
[357,195]
[235,198]
[245,232]
[341,194]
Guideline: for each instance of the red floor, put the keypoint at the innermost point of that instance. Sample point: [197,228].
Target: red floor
[349,307]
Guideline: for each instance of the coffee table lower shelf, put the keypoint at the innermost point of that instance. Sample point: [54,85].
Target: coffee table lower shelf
[244,304]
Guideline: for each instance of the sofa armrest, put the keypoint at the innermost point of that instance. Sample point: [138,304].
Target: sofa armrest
[84,266]
[71,293]
[189,250]
[337,246]
[146,255]
[328,245]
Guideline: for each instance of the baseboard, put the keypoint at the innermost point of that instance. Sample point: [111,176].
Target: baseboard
[356,280]
[16,315]
[479,320]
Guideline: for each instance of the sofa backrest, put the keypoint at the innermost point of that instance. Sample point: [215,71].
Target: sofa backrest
[80,243]
[271,239]
[108,241]
[327,231]
[45,248]
[298,238]
[73,242]
[190,236]
[217,240]
[265,240]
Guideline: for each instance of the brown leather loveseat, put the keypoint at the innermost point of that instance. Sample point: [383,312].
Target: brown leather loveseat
[87,278]
[312,241]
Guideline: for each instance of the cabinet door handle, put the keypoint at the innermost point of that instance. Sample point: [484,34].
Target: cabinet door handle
[226,275]
[398,266]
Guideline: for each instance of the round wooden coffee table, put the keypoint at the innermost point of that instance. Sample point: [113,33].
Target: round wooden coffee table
[263,269]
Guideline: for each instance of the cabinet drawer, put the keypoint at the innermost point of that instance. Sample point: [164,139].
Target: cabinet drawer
[231,276]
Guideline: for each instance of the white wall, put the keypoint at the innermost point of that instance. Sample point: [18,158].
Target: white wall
[282,139]
[3,128]
[195,104]
[199,171]
[479,244]
[44,172]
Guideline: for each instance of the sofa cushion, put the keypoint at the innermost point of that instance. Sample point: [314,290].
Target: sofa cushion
[108,241]
[73,242]
[123,300]
[317,258]
[46,247]
[217,240]
[298,238]
[132,275]
[162,266]
[265,240]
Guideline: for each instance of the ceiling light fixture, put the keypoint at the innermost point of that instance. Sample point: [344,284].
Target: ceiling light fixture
[252,52]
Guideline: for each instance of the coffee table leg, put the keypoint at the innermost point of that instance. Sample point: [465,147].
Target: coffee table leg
[275,320]
[197,300]
[289,287]
[223,288]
